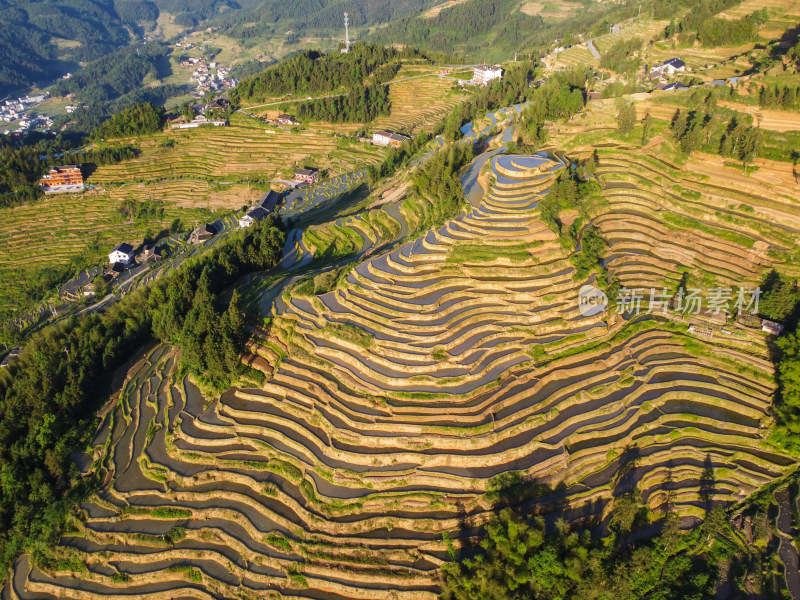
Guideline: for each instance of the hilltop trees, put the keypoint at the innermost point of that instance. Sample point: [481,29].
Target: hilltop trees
[621,57]
[313,73]
[360,105]
[139,119]
[712,30]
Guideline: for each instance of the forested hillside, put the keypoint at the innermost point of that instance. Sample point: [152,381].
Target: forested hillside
[260,18]
[27,46]
[312,72]
[495,29]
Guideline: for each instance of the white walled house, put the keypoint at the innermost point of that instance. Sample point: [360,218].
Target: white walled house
[670,67]
[122,253]
[382,138]
[484,74]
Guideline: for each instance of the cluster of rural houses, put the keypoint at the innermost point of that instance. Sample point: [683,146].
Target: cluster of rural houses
[124,256]
[14,109]
[208,76]
[261,210]
[206,115]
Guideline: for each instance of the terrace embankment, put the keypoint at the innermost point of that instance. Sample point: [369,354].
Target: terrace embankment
[395,399]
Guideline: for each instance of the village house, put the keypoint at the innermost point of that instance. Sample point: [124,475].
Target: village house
[308,174]
[381,138]
[122,253]
[483,74]
[397,139]
[114,270]
[285,119]
[675,87]
[670,67]
[202,233]
[199,120]
[261,210]
[12,355]
[771,327]
[149,253]
[220,104]
[385,138]
[253,216]
[62,179]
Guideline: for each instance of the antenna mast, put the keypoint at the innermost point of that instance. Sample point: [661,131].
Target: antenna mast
[346,34]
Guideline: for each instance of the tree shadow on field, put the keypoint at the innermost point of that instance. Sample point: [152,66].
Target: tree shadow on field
[625,479]
[707,484]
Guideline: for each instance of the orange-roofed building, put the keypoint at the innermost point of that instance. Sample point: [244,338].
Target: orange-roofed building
[62,179]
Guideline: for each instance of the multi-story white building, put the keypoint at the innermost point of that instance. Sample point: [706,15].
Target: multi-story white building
[122,253]
[484,74]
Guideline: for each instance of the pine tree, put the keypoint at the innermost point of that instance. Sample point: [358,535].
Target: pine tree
[647,125]
[626,118]
[680,122]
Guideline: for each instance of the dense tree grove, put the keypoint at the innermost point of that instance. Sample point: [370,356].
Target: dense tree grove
[313,73]
[626,117]
[560,97]
[780,299]
[592,248]
[568,192]
[48,406]
[787,406]
[741,141]
[521,560]
[715,31]
[360,105]
[438,180]
[784,97]
[139,119]
[621,57]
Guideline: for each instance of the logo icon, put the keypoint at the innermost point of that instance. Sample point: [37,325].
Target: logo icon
[591,301]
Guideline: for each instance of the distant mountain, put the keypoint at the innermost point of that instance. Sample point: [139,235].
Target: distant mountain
[495,29]
[40,41]
[256,19]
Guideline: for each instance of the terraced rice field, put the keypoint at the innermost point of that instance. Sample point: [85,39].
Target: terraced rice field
[188,193]
[245,150]
[783,15]
[550,9]
[419,104]
[572,57]
[394,399]
[580,54]
[64,228]
[700,58]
